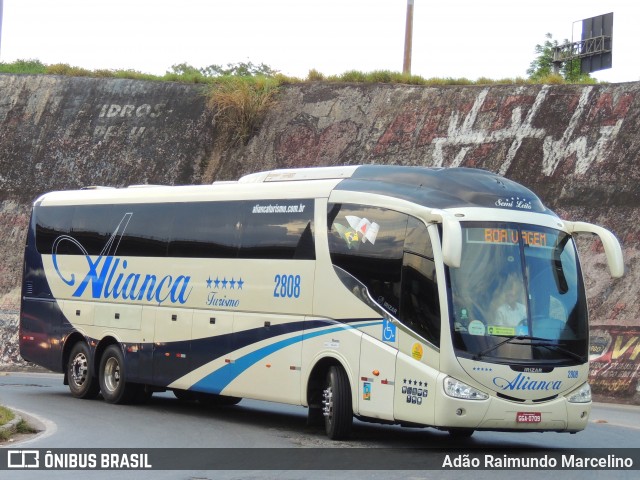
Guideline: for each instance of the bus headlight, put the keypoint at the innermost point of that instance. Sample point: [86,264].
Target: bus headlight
[582,395]
[457,389]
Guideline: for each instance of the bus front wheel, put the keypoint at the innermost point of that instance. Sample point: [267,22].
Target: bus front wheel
[82,383]
[113,378]
[337,408]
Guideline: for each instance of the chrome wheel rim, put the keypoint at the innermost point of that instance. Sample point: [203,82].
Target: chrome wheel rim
[111,374]
[79,369]
[327,402]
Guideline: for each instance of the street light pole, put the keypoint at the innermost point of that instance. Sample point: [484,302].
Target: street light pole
[1,26]
[408,37]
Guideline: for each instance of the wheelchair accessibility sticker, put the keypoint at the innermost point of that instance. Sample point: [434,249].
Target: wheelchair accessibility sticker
[388,331]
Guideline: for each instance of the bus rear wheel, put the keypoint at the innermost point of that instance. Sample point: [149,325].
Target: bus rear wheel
[337,407]
[113,377]
[82,383]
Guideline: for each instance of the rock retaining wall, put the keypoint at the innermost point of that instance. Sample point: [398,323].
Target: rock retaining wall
[576,146]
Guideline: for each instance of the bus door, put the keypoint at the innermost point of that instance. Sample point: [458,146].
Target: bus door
[377,378]
[418,362]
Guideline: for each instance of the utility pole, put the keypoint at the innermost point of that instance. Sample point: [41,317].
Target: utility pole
[1,26]
[408,37]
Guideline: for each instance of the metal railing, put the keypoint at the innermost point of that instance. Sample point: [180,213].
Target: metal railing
[581,49]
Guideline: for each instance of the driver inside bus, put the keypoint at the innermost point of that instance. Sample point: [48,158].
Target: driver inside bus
[513,310]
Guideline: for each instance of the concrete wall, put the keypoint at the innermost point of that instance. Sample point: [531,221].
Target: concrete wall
[576,146]
[62,133]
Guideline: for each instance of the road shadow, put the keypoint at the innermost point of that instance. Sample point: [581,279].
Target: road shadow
[291,422]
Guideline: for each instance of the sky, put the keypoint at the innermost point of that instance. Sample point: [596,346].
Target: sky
[451,38]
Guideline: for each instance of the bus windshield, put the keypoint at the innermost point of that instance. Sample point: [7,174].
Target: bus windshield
[518,296]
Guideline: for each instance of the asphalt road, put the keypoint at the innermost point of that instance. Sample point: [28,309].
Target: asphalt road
[165,422]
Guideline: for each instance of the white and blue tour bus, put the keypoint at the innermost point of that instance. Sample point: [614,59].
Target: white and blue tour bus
[449,298]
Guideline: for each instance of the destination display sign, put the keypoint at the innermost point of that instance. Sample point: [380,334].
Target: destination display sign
[509,236]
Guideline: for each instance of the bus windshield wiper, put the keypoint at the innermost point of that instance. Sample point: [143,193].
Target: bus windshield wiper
[558,348]
[481,354]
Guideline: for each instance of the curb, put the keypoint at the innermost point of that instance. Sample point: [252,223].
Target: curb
[12,425]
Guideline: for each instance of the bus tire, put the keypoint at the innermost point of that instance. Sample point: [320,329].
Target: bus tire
[82,383]
[338,410]
[113,377]
[315,418]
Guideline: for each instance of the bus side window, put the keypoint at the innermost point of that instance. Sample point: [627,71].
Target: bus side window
[417,240]
[121,230]
[420,305]
[278,229]
[51,223]
[206,230]
[94,225]
[368,243]
[147,233]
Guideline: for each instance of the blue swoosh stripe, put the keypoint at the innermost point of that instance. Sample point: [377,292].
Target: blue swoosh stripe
[218,380]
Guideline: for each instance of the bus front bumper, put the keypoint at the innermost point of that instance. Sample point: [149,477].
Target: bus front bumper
[558,415]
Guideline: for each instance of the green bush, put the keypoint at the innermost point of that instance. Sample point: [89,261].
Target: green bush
[216,74]
[239,104]
[315,76]
[32,67]
[6,415]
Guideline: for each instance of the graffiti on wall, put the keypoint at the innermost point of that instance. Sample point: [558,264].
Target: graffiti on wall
[584,128]
[570,130]
[132,121]
[615,361]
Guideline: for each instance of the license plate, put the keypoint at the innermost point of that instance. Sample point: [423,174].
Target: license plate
[528,417]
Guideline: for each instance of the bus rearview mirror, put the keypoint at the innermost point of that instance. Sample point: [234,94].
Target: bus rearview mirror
[611,245]
[451,242]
